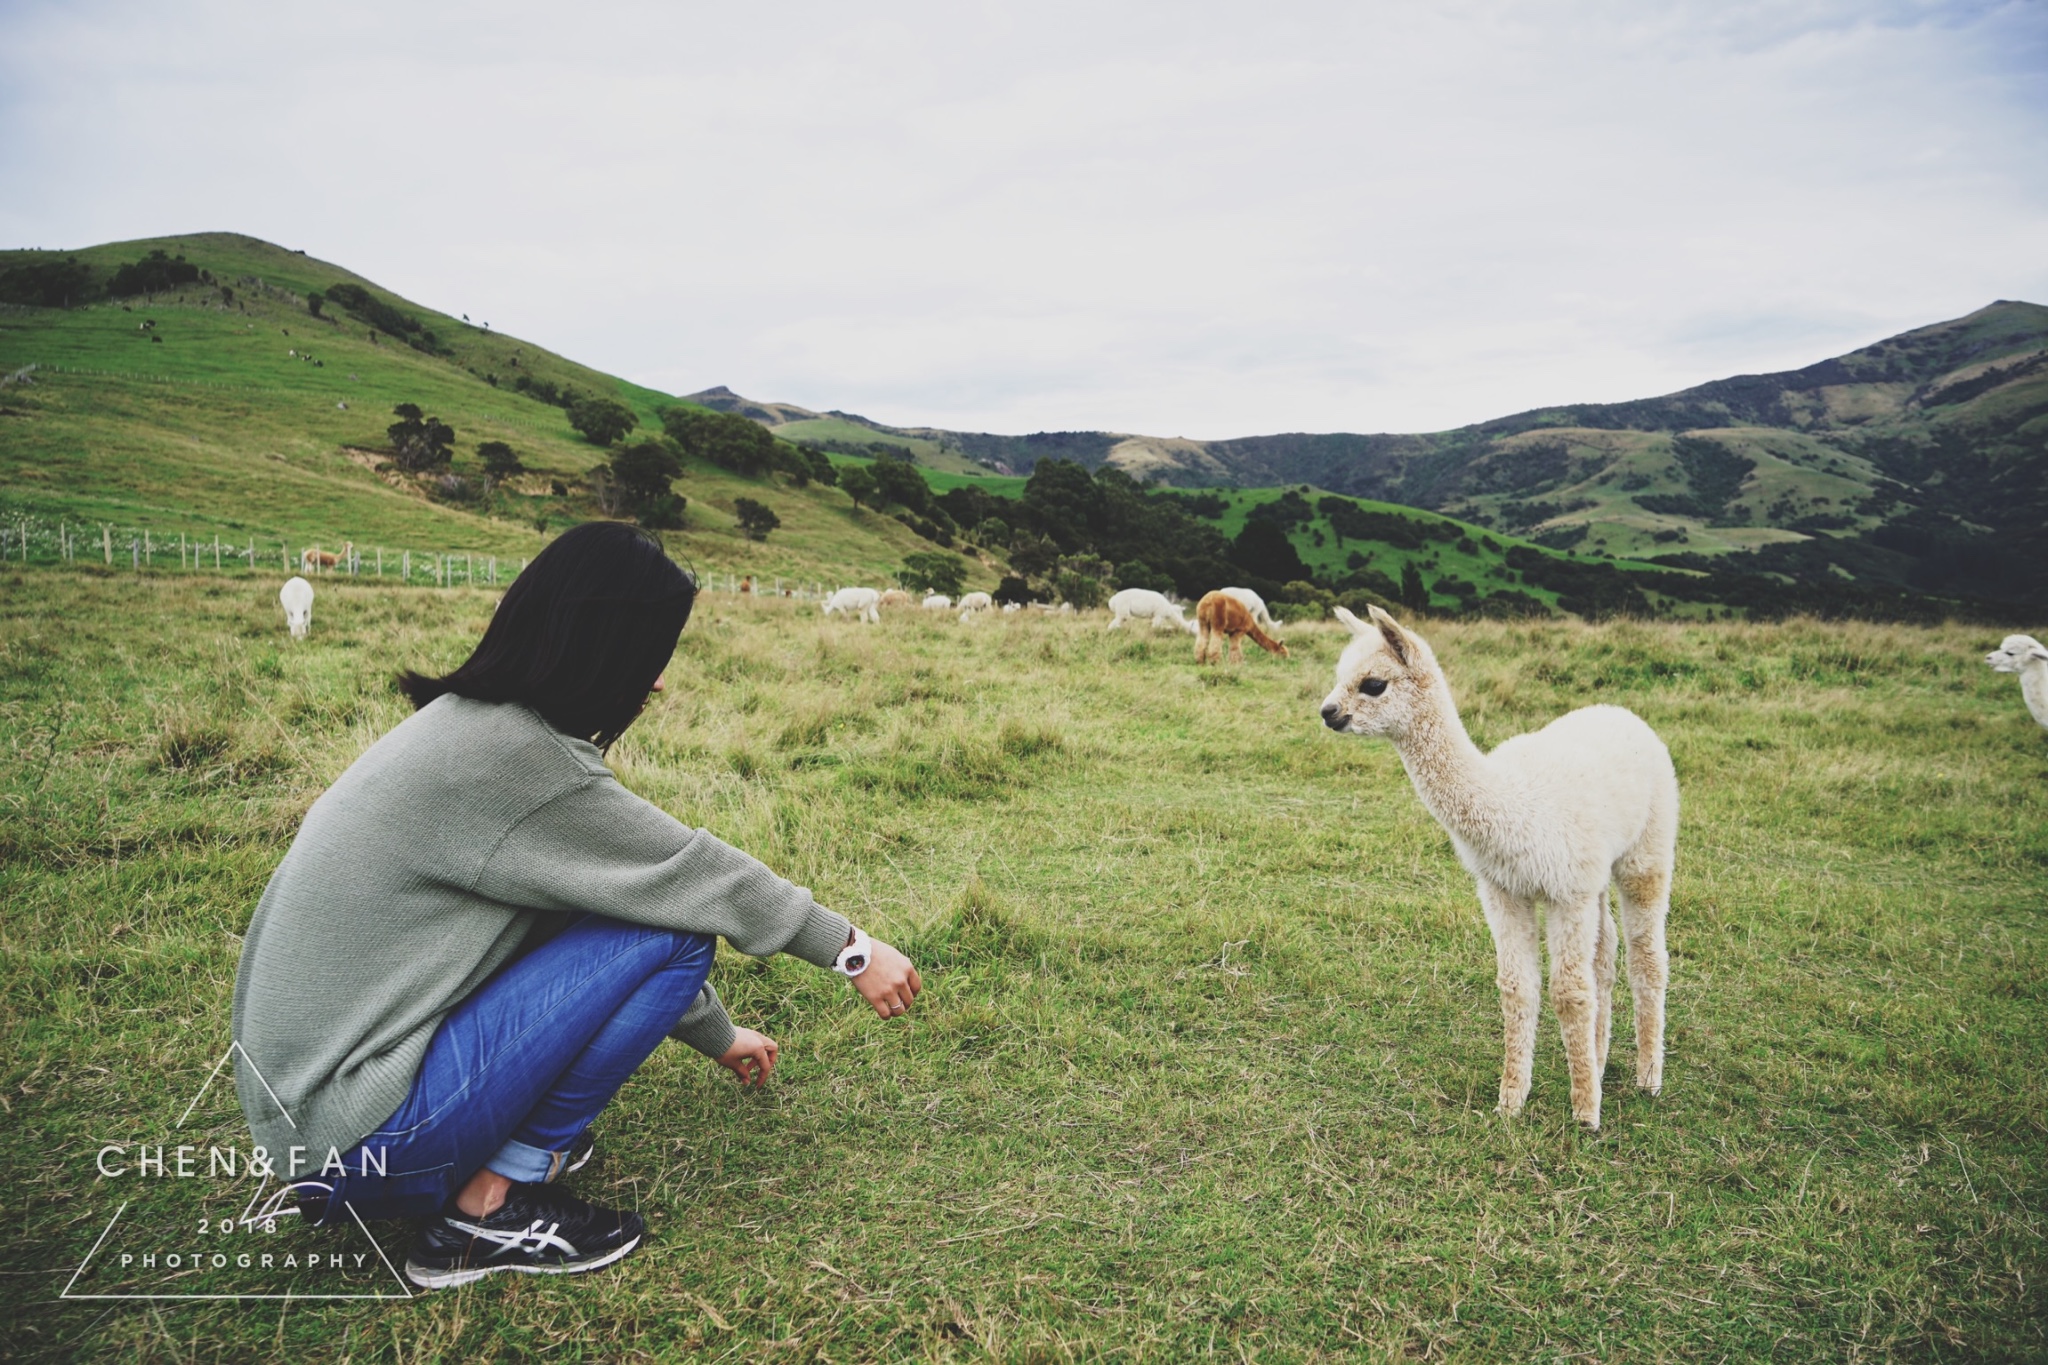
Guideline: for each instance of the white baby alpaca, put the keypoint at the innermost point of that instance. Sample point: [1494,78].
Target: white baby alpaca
[2024,655]
[1550,817]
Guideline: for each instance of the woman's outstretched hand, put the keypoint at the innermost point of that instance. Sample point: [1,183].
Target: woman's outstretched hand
[890,983]
[751,1057]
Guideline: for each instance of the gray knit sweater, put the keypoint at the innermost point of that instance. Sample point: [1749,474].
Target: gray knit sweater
[421,871]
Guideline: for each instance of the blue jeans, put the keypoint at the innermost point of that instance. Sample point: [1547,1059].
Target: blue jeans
[523,1065]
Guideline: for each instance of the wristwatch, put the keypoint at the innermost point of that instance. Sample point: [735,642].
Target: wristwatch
[853,959]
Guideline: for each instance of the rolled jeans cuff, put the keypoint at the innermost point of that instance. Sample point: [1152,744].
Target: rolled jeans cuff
[529,1165]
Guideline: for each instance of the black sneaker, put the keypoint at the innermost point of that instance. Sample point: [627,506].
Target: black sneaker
[539,1230]
[579,1152]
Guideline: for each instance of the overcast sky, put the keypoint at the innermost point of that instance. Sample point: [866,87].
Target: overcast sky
[1176,219]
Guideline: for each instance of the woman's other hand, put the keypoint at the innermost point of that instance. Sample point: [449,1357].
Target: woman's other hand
[751,1056]
[890,983]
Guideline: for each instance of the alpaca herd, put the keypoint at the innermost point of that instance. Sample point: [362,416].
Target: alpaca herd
[1560,821]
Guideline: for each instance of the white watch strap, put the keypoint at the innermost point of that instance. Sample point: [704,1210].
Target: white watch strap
[853,959]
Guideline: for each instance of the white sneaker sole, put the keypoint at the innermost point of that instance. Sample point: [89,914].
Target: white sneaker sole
[449,1279]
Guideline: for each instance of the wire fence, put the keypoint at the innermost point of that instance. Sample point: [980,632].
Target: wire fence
[29,539]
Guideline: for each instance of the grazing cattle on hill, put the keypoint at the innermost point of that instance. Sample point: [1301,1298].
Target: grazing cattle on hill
[296,596]
[1220,616]
[1145,605]
[856,602]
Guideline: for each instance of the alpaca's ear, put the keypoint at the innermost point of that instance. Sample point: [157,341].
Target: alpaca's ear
[2038,652]
[1351,623]
[1391,632]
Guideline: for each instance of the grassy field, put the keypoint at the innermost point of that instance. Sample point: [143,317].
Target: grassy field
[1206,1057]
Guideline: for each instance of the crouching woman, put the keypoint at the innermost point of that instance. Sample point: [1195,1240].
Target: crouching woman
[478,935]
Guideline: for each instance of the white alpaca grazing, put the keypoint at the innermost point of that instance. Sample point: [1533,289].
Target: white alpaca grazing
[860,603]
[1254,604]
[1551,817]
[938,601]
[976,601]
[1146,605]
[2026,656]
[296,596]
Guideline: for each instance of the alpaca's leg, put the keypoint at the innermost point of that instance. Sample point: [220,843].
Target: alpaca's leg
[1574,935]
[1237,649]
[1519,974]
[1603,985]
[1202,644]
[1645,900]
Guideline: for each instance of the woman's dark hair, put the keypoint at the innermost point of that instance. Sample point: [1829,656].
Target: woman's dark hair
[580,636]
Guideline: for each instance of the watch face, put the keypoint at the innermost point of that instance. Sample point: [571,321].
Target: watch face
[853,963]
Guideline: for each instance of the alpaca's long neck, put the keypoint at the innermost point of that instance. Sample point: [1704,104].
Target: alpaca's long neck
[1450,774]
[2034,687]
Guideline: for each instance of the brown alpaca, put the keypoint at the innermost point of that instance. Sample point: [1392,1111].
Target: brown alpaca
[1218,616]
[315,560]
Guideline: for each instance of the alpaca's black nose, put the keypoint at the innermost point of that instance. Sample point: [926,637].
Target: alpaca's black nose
[1333,717]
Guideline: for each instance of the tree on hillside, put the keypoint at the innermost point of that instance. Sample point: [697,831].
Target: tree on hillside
[756,519]
[934,571]
[640,476]
[1263,550]
[723,439]
[418,442]
[601,420]
[47,284]
[1013,589]
[315,301]
[1414,595]
[822,468]
[901,484]
[152,274]
[1079,579]
[1136,573]
[859,484]
[500,460]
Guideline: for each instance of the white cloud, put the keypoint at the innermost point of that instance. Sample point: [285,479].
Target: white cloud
[1176,219]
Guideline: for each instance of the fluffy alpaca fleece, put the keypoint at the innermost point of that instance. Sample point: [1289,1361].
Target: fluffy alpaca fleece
[1219,616]
[1146,605]
[296,596]
[2024,655]
[1552,818]
[859,603]
[1254,604]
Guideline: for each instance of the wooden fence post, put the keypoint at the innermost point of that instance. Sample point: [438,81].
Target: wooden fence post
[107,543]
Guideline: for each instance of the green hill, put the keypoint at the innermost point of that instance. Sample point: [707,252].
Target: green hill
[1916,463]
[212,388]
[221,404]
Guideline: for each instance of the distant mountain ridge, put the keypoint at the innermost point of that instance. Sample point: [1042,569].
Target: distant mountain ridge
[1920,460]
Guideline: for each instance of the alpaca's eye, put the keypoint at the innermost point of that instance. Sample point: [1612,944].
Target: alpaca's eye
[1372,687]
